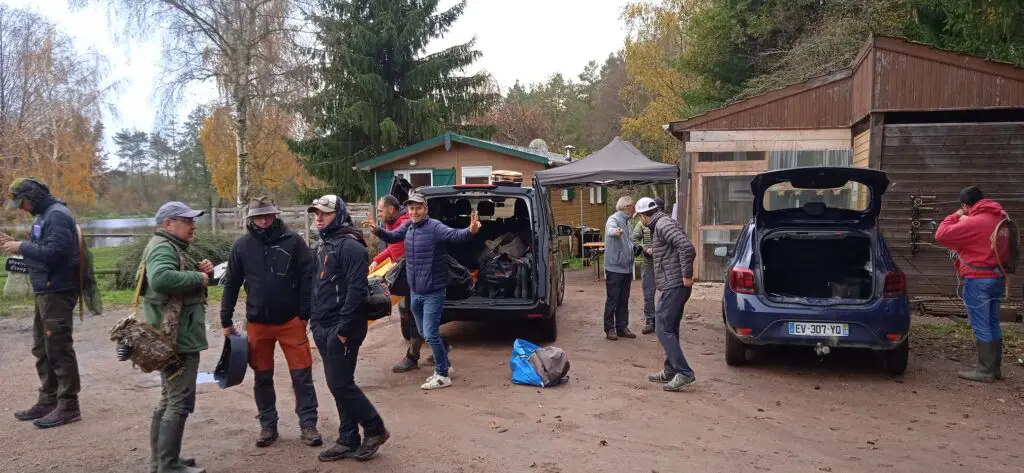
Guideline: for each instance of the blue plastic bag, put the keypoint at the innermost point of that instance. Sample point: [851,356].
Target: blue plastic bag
[522,371]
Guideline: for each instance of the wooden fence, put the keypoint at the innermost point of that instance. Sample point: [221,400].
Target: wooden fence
[296,217]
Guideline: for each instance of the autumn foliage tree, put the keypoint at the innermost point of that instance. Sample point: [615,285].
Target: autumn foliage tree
[51,99]
[271,166]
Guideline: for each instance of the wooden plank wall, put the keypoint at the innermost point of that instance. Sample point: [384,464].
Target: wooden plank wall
[935,161]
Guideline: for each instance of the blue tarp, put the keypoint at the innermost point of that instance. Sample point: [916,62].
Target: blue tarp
[522,371]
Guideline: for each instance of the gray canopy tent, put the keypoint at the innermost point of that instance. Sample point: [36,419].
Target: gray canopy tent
[617,164]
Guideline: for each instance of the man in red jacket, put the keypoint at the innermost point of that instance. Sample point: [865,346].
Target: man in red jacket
[968,232]
[393,216]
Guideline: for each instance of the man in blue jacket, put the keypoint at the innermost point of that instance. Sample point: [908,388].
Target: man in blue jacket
[338,322]
[426,268]
[52,257]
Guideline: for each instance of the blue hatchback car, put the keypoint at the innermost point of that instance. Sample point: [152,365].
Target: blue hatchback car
[812,268]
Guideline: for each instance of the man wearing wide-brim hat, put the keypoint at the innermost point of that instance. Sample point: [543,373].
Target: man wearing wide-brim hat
[275,267]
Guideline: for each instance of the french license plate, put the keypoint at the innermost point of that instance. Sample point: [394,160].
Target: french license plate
[817,329]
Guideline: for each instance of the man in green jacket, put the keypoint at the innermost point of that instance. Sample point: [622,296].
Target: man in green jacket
[172,279]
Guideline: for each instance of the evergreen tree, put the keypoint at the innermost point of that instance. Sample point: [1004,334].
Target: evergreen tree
[379,90]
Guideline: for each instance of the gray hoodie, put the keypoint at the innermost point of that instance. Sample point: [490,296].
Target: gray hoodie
[618,249]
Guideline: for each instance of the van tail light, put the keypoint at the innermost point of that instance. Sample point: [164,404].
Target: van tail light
[741,281]
[895,284]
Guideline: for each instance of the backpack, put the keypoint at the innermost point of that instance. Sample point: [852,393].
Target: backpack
[378,299]
[88,291]
[535,366]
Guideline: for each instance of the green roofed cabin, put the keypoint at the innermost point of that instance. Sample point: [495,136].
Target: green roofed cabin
[452,159]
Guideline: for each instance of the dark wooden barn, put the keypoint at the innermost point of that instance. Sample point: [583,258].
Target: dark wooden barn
[936,121]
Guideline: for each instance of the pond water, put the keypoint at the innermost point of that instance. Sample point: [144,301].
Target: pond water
[117,226]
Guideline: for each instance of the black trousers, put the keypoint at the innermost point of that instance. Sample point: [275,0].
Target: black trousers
[616,305]
[354,409]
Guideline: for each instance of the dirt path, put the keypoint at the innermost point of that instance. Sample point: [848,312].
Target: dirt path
[787,413]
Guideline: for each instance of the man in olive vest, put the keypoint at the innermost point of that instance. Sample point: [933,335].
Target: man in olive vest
[175,286]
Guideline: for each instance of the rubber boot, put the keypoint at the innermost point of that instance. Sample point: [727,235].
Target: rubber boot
[154,435]
[997,359]
[985,371]
[169,447]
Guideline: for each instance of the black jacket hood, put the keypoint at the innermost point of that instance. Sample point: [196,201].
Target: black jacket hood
[342,225]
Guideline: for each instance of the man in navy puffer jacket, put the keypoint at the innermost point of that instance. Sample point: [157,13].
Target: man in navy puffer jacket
[426,268]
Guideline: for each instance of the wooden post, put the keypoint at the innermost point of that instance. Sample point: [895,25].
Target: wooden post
[308,233]
[213,220]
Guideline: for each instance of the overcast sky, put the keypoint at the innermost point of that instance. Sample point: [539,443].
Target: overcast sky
[525,40]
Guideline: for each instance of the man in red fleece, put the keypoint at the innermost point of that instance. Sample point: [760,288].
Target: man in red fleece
[968,232]
[393,216]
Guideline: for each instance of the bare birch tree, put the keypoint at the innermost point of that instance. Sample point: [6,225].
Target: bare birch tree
[248,47]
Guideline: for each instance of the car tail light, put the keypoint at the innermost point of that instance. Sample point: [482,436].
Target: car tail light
[744,331]
[534,316]
[895,284]
[893,337]
[741,281]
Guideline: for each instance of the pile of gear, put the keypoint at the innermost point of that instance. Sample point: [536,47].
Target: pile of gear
[505,268]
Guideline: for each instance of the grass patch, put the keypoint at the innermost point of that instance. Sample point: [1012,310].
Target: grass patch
[575,263]
[960,332]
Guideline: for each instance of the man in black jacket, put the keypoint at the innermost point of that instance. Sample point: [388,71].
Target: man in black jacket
[338,321]
[276,269]
[52,256]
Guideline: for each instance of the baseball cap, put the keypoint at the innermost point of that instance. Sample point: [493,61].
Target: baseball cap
[176,209]
[327,204]
[645,205]
[659,202]
[418,198]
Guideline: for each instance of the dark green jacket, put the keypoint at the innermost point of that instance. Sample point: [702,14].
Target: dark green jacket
[164,278]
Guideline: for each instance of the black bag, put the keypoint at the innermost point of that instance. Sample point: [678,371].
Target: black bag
[395,279]
[498,276]
[378,299]
[460,282]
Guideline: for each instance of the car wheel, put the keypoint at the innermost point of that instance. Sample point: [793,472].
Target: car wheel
[735,350]
[895,360]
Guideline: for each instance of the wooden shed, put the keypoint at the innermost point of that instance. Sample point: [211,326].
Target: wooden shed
[935,120]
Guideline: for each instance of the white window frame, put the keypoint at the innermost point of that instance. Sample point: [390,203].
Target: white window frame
[565,195]
[408,173]
[476,171]
[596,195]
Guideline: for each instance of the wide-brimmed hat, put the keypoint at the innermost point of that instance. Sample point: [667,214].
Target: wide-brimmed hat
[234,361]
[261,206]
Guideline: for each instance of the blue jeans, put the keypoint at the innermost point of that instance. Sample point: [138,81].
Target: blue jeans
[982,298]
[426,309]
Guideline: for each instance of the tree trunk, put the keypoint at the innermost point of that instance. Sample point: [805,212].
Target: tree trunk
[241,126]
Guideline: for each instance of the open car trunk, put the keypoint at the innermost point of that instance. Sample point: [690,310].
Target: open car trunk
[817,265]
[501,256]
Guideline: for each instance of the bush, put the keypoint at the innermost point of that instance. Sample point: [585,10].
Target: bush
[206,245]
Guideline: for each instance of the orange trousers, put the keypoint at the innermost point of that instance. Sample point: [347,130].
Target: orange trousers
[292,337]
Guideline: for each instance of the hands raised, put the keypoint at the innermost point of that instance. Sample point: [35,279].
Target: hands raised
[368,224]
[474,223]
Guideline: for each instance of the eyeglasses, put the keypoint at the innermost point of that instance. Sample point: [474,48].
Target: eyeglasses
[186,221]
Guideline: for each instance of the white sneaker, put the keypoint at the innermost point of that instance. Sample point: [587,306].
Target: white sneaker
[437,382]
[451,372]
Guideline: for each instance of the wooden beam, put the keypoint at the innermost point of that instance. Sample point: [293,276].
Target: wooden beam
[767,145]
[877,138]
[771,135]
[683,183]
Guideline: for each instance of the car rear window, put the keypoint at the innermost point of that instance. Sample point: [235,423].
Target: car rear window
[851,196]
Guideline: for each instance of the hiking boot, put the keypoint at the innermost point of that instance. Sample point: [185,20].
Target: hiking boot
[407,364]
[437,382]
[610,335]
[37,411]
[266,438]
[66,412]
[337,452]
[679,382]
[310,436]
[989,355]
[659,377]
[370,446]
[648,329]
[625,333]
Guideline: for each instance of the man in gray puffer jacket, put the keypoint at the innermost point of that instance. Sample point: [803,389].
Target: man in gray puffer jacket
[673,273]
